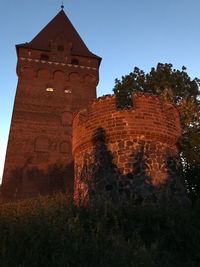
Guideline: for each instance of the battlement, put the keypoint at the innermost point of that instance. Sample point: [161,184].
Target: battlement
[151,118]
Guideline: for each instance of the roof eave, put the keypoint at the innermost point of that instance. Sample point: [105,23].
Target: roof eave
[26,45]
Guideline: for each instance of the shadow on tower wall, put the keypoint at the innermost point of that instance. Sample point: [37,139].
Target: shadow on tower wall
[29,181]
[104,181]
[99,173]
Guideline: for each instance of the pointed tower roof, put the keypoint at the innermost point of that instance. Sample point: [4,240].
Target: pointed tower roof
[60,24]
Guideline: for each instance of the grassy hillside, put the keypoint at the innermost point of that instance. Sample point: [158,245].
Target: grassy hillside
[51,231]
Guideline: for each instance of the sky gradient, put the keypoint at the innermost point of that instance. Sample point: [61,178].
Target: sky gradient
[125,33]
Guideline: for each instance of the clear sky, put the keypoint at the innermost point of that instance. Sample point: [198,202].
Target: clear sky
[125,33]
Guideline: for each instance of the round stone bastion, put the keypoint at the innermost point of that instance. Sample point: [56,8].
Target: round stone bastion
[137,141]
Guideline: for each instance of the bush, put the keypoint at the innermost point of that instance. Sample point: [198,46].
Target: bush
[52,231]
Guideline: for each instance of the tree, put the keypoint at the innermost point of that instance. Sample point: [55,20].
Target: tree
[176,86]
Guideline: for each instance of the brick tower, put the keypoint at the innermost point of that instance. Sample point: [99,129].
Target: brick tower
[57,75]
[127,152]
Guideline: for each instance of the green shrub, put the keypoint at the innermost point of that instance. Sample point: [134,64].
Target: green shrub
[52,231]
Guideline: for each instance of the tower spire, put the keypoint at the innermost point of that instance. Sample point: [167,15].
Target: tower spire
[62,6]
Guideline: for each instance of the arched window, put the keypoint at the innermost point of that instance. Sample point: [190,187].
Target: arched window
[49,88]
[43,74]
[89,79]
[67,90]
[59,76]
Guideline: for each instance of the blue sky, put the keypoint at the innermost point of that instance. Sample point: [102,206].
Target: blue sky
[125,33]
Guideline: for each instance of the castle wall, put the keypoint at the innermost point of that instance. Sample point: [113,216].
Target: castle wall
[140,139]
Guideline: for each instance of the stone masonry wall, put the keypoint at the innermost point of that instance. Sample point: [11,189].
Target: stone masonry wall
[128,143]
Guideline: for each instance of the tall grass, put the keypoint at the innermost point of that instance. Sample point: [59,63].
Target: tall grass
[52,231]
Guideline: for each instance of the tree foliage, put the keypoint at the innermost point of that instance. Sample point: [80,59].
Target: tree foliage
[160,80]
[183,91]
